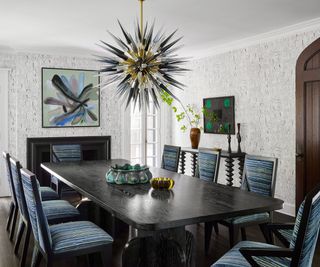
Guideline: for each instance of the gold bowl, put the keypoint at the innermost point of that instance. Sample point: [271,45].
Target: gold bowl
[162,183]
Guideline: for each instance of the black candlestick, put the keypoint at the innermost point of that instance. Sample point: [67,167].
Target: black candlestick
[239,138]
[229,138]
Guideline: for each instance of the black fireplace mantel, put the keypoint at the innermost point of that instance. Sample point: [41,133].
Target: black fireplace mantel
[39,150]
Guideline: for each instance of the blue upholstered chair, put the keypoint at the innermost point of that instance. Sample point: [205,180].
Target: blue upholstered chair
[208,170]
[259,176]
[64,153]
[55,210]
[283,232]
[64,240]
[13,212]
[170,158]
[302,245]
[208,165]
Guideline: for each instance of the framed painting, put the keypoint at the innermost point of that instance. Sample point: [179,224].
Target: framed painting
[223,107]
[70,98]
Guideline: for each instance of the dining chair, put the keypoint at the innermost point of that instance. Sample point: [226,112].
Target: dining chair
[208,170]
[259,176]
[170,158]
[302,245]
[208,165]
[61,241]
[13,211]
[283,232]
[64,153]
[55,210]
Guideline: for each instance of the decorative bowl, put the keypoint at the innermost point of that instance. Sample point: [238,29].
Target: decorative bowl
[128,174]
[162,183]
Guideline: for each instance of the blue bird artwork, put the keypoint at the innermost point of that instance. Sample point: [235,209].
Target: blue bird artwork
[70,98]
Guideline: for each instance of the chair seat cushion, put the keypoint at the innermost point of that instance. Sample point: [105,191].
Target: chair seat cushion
[73,236]
[234,258]
[47,193]
[249,218]
[286,233]
[60,210]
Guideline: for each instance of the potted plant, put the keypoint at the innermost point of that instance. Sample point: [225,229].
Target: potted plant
[189,116]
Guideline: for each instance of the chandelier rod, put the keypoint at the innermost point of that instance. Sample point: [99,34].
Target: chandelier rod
[141,17]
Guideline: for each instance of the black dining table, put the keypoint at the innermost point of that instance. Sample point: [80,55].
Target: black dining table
[159,213]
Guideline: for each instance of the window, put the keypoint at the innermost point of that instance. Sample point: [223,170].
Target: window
[145,141]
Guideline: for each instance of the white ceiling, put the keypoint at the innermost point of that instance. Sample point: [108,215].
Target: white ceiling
[75,26]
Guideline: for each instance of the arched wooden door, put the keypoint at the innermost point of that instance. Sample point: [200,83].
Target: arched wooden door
[307,121]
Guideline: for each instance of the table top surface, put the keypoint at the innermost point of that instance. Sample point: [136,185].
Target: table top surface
[190,201]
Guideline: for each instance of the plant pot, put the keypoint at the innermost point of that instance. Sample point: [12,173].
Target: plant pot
[195,137]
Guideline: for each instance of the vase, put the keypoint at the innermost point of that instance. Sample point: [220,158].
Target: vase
[195,137]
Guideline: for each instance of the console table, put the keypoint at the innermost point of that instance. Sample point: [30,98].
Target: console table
[230,158]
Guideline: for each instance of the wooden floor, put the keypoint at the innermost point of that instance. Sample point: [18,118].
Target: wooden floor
[219,244]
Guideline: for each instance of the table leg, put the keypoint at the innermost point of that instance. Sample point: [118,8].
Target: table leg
[182,162]
[164,248]
[229,170]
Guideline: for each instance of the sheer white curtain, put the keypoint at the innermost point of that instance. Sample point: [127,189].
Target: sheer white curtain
[4,81]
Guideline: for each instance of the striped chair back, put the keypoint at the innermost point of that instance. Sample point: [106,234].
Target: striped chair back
[208,165]
[170,158]
[69,152]
[17,185]
[306,229]
[6,157]
[259,174]
[39,223]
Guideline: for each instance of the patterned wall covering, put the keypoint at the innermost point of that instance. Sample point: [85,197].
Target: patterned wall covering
[262,79]
[25,102]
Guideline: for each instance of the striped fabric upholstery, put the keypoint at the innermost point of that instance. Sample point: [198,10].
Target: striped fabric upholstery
[207,164]
[35,211]
[312,232]
[170,159]
[68,237]
[259,176]
[18,190]
[59,209]
[249,218]
[47,193]
[233,258]
[62,153]
[9,177]
[286,233]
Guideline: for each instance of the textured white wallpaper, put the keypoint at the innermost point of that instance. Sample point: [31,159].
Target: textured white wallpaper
[25,102]
[262,79]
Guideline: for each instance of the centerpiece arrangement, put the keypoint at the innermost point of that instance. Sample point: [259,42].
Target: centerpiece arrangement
[128,174]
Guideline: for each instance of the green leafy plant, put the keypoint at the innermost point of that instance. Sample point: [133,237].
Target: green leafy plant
[189,115]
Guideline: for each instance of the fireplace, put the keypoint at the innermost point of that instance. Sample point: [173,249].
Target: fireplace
[39,150]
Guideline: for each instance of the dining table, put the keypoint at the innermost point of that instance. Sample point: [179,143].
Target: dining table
[159,217]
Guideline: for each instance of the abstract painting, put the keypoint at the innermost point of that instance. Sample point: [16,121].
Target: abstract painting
[223,107]
[70,98]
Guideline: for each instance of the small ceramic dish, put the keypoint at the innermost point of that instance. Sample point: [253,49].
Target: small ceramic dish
[162,183]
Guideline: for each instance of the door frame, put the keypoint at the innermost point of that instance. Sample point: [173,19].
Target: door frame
[303,76]
[4,101]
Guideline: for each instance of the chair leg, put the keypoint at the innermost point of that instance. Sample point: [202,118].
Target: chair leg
[216,227]
[106,257]
[266,233]
[11,211]
[19,236]
[243,233]
[36,257]
[25,247]
[207,236]
[14,222]
[233,234]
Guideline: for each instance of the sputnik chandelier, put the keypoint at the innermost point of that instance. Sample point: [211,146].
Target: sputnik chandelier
[143,66]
